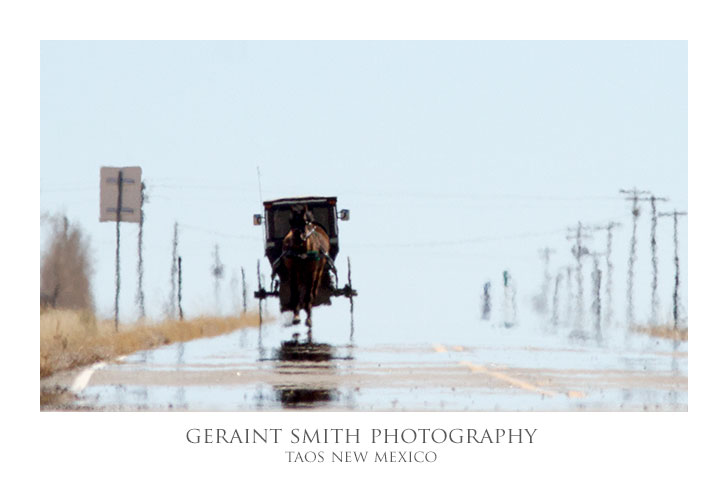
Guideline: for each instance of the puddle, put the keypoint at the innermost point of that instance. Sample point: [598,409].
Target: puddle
[420,360]
[281,368]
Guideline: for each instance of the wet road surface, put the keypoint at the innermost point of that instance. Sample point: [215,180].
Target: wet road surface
[489,368]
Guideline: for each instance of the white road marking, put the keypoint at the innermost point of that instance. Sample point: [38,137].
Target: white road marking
[80,382]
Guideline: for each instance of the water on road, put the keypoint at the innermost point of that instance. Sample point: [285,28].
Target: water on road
[463,364]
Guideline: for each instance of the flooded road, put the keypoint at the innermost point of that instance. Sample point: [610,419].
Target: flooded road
[485,367]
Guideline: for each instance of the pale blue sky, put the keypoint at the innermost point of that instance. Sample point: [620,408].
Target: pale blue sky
[445,152]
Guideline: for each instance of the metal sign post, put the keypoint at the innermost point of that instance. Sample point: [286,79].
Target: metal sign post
[120,191]
[120,201]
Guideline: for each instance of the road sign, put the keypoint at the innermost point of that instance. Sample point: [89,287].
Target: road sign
[131,194]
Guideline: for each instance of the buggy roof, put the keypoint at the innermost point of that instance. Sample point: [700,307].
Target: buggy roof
[299,200]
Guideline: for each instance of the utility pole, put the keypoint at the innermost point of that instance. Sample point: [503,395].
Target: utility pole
[486,301]
[555,302]
[610,267]
[173,272]
[569,295]
[635,196]
[653,242]
[509,300]
[245,291]
[541,302]
[217,273]
[140,264]
[179,288]
[675,295]
[610,270]
[578,250]
[596,297]
[120,179]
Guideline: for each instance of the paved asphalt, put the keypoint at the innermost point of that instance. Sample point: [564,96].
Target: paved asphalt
[281,367]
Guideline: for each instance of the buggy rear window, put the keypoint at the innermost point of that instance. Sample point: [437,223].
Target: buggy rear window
[282,218]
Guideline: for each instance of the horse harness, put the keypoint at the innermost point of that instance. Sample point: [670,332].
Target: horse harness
[309,255]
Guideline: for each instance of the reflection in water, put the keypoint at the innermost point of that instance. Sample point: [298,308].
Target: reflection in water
[144,393]
[180,396]
[674,364]
[672,396]
[309,365]
[120,393]
[298,397]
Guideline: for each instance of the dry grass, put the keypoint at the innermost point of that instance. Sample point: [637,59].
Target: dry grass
[664,331]
[70,338]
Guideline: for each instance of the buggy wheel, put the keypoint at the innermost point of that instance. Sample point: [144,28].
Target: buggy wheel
[260,294]
[351,294]
[348,268]
[260,282]
[348,291]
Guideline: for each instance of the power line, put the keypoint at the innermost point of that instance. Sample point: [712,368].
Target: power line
[456,242]
[460,196]
[165,184]
[217,233]
[67,189]
[196,187]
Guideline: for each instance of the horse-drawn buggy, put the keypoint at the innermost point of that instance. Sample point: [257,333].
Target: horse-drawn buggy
[302,243]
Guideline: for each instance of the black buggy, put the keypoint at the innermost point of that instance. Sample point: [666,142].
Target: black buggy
[277,222]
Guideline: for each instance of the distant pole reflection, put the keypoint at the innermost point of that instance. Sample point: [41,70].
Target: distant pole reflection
[486,302]
[596,298]
[180,396]
[144,394]
[555,301]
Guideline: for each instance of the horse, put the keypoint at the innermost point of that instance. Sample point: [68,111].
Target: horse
[305,255]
